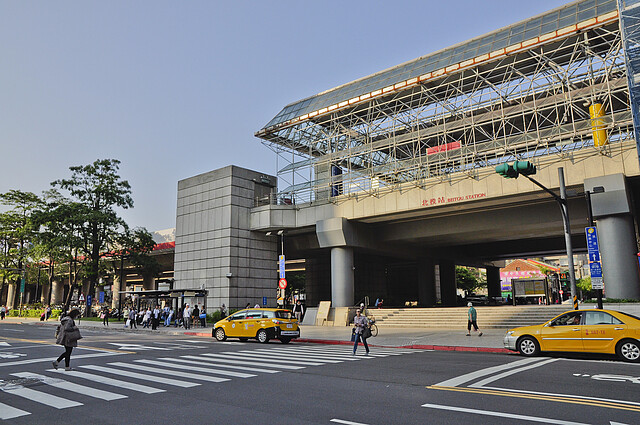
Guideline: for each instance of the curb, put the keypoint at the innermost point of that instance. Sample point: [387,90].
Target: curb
[417,347]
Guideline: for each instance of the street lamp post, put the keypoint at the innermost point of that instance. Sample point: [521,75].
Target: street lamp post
[526,169]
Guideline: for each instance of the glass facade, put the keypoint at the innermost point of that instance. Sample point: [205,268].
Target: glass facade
[630,28]
[516,33]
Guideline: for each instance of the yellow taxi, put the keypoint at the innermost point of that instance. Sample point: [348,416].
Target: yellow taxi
[582,331]
[260,323]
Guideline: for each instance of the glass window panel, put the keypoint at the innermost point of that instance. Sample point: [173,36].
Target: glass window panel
[606,6]
[551,17]
[532,29]
[549,27]
[500,40]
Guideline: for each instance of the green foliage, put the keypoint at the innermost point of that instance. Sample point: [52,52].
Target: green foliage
[469,279]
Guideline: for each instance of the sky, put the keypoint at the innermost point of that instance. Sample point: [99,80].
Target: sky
[173,89]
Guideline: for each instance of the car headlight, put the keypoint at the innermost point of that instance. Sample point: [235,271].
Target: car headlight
[509,333]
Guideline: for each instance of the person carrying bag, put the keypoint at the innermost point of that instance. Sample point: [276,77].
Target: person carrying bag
[67,334]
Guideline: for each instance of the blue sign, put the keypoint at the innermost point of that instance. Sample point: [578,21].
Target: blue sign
[596,269]
[594,256]
[264,301]
[101,296]
[592,240]
[88,299]
[281,266]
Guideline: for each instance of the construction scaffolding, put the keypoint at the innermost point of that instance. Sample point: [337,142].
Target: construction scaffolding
[522,92]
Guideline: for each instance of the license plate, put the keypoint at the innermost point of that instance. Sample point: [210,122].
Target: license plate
[289,326]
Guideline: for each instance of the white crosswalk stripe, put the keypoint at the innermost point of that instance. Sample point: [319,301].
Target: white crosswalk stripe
[70,386]
[38,396]
[142,376]
[200,360]
[109,381]
[230,359]
[169,372]
[168,362]
[183,371]
[8,412]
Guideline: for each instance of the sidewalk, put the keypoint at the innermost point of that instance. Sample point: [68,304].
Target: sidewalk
[419,338]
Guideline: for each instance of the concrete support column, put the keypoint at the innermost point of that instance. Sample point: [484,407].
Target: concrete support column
[342,280]
[149,283]
[493,282]
[115,295]
[448,283]
[618,248]
[11,295]
[426,283]
[44,296]
[57,292]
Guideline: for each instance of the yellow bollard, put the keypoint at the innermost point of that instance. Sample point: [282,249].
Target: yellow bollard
[597,112]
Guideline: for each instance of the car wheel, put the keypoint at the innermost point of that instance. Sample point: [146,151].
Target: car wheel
[628,350]
[220,335]
[244,339]
[262,336]
[528,346]
[285,340]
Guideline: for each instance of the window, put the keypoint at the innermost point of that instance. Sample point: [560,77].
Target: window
[238,316]
[254,314]
[568,319]
[600,318]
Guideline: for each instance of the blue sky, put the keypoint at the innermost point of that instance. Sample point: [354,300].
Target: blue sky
[178,88]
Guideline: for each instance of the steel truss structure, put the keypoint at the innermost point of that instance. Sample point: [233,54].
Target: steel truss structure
[526,100]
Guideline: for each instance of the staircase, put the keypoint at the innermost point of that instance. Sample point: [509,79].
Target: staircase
[454,317]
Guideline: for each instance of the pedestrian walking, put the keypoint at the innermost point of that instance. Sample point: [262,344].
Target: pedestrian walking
[67,334]
[298,310]
[203,318]
[3,312]
[186,316]
[360,323]
[196,316]
[47,313]
[133,318]
[105,316]
[472,316]
[223,311]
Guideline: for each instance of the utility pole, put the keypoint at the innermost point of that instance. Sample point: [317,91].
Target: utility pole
[526,169]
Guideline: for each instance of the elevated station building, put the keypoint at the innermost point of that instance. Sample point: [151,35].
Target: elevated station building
[385,183]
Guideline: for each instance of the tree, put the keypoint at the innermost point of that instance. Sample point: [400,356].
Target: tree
[99,189]
[133,246]
[468,279]
[17,232]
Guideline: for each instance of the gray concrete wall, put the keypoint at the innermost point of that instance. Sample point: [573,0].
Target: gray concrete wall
[215,249]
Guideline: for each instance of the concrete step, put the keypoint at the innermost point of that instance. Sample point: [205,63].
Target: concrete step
[488,316]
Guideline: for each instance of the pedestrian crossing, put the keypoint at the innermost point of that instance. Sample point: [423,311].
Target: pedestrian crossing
[60,389]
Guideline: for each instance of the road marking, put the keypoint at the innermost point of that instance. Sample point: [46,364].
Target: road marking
[228,366]
[48,359]
[8,412]
[270,358]
[170,372]
[225,359]
[37,396]
[138,347]
[511,372]
[70,386]
[167,362]
[454,382]
[613,404]
[324,357]
[142,376]
[109,381]
[340,421]
[5,344]
[502,415]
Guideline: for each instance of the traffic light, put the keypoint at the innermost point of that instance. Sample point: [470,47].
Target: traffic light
[525,168]
[507,171]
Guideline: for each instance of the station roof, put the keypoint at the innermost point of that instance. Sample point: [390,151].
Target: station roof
[545,23]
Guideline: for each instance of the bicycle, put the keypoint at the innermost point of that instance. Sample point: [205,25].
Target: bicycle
[373,327]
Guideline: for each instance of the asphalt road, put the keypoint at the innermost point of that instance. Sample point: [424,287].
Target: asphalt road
[121,378]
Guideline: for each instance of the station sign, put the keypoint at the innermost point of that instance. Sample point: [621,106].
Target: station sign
[595,266]
[281,266]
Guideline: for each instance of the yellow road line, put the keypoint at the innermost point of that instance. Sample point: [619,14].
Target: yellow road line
[37,341]
[560,399]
